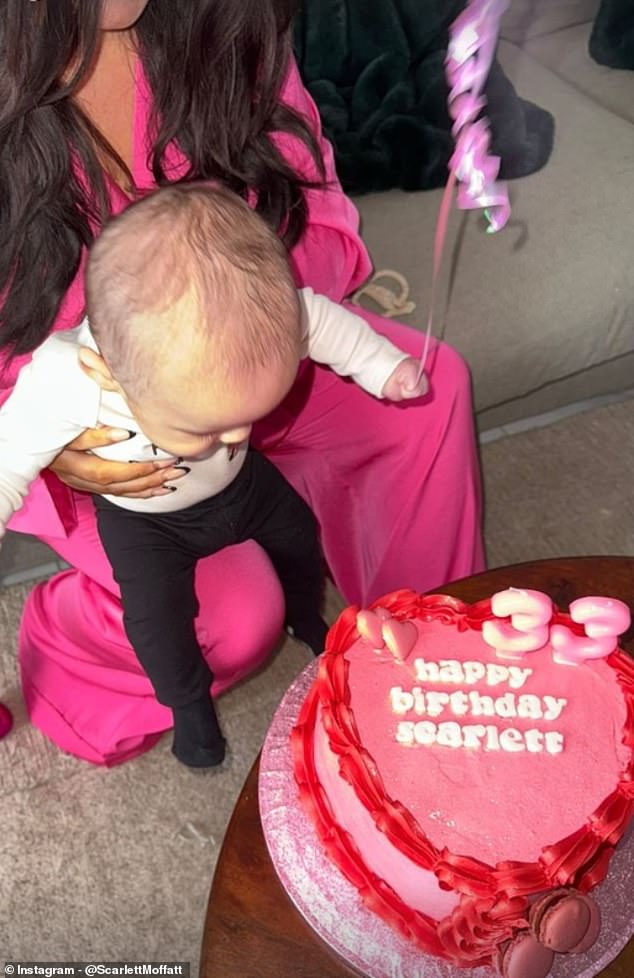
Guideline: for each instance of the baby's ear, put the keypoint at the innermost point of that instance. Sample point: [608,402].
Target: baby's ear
[93,364]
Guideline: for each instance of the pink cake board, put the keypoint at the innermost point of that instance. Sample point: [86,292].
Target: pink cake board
[332,906]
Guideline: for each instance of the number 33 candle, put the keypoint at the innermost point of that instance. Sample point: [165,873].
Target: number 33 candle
[526,626]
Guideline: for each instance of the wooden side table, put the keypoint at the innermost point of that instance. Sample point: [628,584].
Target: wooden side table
[252,930]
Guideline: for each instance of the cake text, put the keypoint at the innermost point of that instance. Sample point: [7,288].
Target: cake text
[433,703]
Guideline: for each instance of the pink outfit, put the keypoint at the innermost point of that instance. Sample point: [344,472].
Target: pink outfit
[395,489]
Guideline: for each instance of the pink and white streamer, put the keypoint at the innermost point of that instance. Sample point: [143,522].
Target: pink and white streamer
[472,42]
[473,39]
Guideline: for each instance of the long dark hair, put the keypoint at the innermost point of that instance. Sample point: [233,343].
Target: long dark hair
[214,68]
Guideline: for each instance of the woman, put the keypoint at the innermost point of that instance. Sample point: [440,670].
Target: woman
[101,100]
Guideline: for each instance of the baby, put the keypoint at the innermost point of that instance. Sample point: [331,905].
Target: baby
[194,331]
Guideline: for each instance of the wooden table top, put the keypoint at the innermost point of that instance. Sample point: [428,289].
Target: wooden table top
[252,929]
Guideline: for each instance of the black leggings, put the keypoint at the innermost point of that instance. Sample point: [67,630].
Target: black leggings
[154,555]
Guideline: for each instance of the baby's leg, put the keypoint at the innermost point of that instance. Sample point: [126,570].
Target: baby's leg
[277,518]
[82,683]
[154,568]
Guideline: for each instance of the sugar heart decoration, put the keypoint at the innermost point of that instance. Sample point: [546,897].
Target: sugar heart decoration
[369,626]
[400,637]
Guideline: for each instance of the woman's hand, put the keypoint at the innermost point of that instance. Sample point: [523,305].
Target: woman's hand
[77,468]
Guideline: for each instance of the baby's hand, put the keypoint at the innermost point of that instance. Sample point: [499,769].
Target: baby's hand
[401,385]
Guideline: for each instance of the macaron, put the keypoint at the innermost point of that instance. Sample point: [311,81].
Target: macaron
[524,957]
[565,920]
[594,927]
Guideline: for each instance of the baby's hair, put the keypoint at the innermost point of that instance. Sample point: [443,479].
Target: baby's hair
[199,237]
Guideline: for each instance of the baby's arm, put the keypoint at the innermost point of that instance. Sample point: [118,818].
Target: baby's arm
[35,424]
[345,342]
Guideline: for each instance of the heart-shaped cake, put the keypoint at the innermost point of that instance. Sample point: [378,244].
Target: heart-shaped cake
[455,779]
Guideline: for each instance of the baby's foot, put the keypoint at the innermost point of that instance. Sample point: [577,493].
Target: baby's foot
[311,631]
[198,741]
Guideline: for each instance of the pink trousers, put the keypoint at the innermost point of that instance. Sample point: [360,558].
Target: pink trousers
[395,489]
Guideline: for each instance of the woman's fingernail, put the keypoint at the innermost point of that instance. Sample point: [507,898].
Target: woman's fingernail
[163,491]
[121,434]
[183,468]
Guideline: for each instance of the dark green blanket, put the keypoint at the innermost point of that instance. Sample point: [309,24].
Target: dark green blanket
[376,71]
[612,38]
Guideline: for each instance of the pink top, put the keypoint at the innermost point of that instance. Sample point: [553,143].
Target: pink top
[330,258]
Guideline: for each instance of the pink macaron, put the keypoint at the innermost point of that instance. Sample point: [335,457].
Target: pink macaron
[524,957]
[565,921]
[594,927]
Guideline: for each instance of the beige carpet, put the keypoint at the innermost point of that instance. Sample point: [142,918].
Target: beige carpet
[117,864]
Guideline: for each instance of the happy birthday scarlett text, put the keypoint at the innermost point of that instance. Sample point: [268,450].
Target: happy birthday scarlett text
[472,703]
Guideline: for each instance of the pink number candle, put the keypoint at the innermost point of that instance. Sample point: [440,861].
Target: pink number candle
[530,613]
[604,619]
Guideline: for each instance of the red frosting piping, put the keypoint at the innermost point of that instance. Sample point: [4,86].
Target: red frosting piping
[493,900]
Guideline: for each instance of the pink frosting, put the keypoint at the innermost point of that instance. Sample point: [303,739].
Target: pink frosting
[416,886]
[493,805]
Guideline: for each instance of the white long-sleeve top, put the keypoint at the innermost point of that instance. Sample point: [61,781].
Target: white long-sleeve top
[54,401]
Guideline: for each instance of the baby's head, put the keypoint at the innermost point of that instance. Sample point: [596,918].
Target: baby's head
[192,303]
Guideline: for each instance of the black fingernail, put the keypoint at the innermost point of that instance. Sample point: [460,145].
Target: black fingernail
[171,488]
[182,468]
[131,434]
